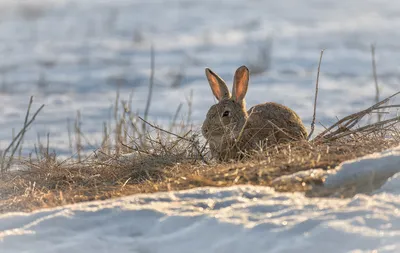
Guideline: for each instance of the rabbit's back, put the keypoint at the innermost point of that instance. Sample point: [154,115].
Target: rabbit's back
[274,122]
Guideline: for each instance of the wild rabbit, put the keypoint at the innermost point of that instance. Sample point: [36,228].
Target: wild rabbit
[230,129]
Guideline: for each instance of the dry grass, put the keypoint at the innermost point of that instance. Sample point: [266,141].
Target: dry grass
[49,183]
[162,160]
[177,158]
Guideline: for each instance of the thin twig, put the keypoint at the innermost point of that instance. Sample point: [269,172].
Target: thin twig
[190,104]
[48,144]
[116,106]
[17,137]
[375,77]
[387,106]
[370,127]
[69,136]
[163,130]
[316,96]
[350,119]
[177,136]
[23,133]
[177,141]
[105,142]
[151,84]
[117,125]
[173,123]
[78,135]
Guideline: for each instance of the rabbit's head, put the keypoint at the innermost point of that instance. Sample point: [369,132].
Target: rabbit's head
[225,120]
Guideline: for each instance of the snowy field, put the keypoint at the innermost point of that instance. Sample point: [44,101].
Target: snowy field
[73,54]
[235,219]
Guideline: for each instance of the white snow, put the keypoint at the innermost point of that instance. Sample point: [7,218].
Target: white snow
[366,174]
[82,46]
[234,219]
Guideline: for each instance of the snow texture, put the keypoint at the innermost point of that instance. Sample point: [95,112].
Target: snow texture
[234,219]
[72,54]
[366,174]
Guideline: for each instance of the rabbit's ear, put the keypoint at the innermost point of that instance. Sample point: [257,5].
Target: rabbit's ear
[217,85]
[240,84]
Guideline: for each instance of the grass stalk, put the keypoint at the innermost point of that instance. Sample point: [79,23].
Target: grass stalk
[315,97]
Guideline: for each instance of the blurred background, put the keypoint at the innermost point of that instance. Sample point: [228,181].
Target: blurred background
[74,55]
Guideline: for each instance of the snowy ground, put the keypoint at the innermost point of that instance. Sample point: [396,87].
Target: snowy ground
[70,54]
[235,219]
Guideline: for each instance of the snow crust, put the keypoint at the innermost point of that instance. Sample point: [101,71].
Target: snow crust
[236,219]
[233,219]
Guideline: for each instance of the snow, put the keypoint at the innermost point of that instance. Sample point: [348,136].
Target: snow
[232,219]
[235,219]
[80,47]
[376,172]
[366,174]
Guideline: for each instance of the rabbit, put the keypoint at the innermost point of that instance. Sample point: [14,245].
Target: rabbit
[230,129]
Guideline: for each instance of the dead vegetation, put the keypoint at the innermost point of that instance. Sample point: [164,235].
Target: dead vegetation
[50,183]
[137,156]
[160,160]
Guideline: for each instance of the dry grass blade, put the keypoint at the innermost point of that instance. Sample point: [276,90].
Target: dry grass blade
[174,120]
[163,130]
[151,84]
[347,123]
[190,105]
[375,78]
[316,96]
[18,138]
[78,135]
[191,141]
[371,128]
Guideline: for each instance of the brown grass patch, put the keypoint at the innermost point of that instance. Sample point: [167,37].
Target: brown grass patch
[50,183]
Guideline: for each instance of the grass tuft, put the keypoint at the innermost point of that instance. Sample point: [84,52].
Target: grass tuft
[137,156]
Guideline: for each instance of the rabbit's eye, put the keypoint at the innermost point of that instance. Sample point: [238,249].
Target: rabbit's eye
[226,114]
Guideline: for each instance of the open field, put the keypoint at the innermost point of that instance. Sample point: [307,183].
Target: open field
[118,95]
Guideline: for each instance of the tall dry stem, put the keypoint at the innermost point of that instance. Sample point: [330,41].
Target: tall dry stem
[315,97]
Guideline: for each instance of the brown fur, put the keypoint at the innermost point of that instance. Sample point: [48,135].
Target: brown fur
[230,129]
